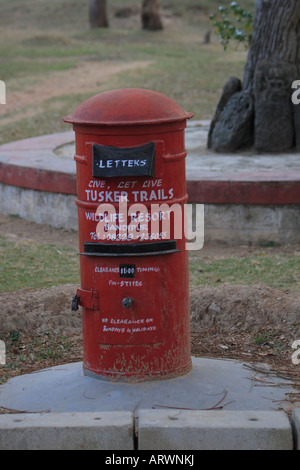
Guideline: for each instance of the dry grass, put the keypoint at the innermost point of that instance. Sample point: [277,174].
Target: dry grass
[51,60]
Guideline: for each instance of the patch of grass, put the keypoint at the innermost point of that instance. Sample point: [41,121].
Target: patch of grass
[279,271]
[27,265]
[189,77]
[272,342]
[265,337]
[19,70]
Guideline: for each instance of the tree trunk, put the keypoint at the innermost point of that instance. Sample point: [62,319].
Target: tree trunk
[276,36]
[150,15]
[273,64]
[98,15]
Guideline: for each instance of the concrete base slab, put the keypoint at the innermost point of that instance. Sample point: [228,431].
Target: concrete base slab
[218,401]
[65,389]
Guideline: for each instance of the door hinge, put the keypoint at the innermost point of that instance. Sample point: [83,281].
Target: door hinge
[88,299]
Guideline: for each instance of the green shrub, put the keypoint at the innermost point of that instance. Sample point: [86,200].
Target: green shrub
[234,23]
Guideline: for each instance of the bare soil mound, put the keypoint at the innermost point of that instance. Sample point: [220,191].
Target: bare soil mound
[245,308]
[226,308]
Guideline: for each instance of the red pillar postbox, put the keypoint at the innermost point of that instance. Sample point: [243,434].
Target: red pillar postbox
[134,294]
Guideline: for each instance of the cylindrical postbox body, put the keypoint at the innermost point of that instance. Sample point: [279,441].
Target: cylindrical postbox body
[134,294]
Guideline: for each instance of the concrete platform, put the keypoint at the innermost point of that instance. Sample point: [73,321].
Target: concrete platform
[257,195]
[219,404]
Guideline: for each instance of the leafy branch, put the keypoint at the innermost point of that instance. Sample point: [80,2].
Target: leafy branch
[233,23]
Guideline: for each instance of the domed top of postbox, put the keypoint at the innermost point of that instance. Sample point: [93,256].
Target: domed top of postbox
[128,106]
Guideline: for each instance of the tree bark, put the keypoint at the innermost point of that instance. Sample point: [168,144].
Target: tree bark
[273,64]
[276,36]
[98,14]
[150,15]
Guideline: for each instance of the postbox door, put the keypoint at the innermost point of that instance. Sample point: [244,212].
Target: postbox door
[132,295]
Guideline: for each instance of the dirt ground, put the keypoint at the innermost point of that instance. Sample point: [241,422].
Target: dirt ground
[86,76]
[254,324]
